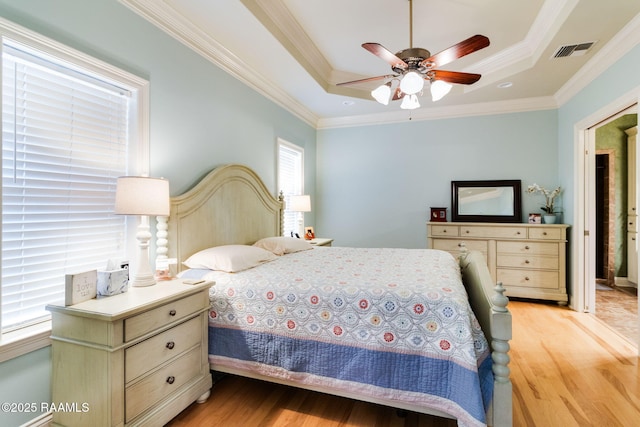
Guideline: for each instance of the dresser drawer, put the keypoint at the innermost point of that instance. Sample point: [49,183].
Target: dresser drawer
[540,279]
[545,233]
[153,388]
[152,352]
[527,261]
[455,245]
[157,318]
[532,248]
[444,230]
[514,232]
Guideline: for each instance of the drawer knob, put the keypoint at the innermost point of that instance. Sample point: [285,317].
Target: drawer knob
[172,313]
[171,379]
[526,278]
[526,261]
[467,231]
[444,231]
[544,233]
[527,247]
[518,233]
[170,345]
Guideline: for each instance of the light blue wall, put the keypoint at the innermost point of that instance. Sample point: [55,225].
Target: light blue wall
[200,117]
[376,184]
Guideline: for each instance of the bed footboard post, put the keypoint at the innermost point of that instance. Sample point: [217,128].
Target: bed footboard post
[501,326]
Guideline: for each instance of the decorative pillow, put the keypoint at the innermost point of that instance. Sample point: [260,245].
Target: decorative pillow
[283,245]
[229,258]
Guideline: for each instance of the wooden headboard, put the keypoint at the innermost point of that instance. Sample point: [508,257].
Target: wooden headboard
[230,205]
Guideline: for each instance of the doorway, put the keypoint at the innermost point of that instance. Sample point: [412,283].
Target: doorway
[603,191]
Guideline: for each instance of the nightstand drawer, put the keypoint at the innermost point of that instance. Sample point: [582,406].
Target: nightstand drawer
[151,320]
[151,389]
[150,353]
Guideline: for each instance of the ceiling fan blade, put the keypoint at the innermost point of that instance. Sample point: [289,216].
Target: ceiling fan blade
[456,51]
[368,79]
[455,77]
[383,53]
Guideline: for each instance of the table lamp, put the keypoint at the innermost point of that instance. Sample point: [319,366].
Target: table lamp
[144,196]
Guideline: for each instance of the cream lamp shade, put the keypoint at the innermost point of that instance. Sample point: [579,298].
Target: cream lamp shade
[140,195]
[300,203]
[144,196]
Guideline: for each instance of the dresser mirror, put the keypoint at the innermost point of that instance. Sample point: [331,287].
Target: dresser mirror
[486,201]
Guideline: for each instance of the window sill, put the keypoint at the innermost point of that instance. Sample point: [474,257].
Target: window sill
[25,340]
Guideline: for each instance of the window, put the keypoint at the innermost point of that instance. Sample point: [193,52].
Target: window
[290,181]
[68,123]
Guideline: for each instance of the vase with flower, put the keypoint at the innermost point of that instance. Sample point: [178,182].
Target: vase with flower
[550,196]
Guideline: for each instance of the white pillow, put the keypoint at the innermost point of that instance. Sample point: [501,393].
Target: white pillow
[283,245]
[229,258]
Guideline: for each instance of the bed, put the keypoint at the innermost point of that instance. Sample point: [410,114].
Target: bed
[382,325]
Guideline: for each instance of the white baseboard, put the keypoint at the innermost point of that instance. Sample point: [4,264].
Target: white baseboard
[624,282]
[44,420]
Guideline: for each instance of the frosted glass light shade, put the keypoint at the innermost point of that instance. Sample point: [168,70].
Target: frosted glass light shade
[411,83]
[410,102]
[382,93]
[140,195]
[439,89]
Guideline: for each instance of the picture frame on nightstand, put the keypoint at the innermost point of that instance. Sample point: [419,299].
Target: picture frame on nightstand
[80,287]
[309,234]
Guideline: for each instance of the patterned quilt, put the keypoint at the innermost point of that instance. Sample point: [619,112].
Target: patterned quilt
[392,323]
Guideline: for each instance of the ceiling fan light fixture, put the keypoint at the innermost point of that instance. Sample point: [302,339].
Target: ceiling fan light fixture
[411,83]
[439,89]
[382,93]
[410,102]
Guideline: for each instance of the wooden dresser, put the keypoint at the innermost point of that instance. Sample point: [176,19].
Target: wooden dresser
[529,259]
[137,358]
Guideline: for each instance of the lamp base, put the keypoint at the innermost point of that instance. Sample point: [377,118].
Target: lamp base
[143,276]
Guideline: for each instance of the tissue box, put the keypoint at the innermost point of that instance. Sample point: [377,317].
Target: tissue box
[113,282]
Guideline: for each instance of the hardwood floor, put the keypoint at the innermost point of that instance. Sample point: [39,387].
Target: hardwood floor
[568,369]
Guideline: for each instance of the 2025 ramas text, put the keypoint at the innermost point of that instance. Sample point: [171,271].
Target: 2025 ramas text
[16,407]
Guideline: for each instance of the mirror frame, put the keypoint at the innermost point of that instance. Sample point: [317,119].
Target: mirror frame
[515,184]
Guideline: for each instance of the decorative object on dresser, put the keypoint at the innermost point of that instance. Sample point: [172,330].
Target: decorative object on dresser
[486,201]
[137,358]
[143,196]
[549,201]
[529,259]
[439,214]
[80,287]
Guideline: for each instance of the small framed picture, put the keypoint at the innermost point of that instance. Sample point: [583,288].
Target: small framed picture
[535,218]
[309,233]
[439,214]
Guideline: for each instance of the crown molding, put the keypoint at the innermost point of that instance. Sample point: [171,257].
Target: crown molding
[453,111]
[165,18]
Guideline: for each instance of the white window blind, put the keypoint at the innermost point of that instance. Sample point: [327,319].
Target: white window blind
[290,181]
[64,143]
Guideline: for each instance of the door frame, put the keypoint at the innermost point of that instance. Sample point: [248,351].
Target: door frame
[584,199]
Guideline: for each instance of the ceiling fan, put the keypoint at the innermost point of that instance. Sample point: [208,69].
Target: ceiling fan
[413,66]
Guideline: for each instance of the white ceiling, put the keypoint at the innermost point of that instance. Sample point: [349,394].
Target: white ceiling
[295,51]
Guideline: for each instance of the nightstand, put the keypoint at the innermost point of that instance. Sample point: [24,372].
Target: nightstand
[318,241]
[137,358]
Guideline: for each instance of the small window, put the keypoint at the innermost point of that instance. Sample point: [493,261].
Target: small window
[290,181]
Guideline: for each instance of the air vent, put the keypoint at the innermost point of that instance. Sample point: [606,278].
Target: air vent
[573,50]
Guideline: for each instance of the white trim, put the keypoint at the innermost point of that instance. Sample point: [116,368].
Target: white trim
[43,420]
[25,340]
